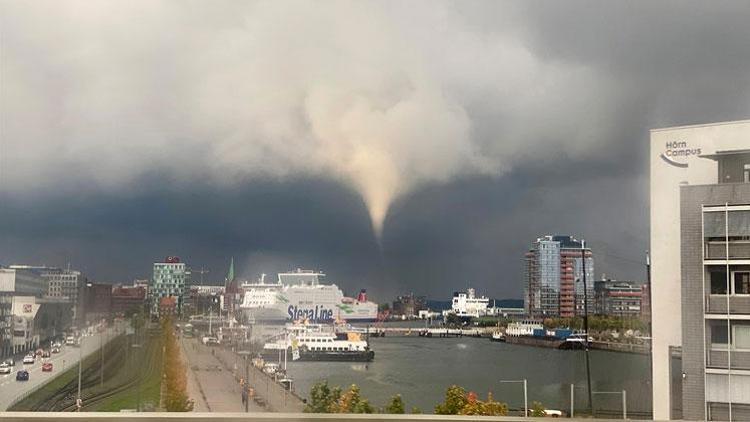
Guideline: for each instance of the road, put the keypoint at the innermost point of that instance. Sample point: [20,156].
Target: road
[10,389]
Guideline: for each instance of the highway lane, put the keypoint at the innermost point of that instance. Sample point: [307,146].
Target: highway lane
[10,389]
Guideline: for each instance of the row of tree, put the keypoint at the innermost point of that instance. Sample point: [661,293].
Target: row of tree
[599,323]
[175,372]
[326,399]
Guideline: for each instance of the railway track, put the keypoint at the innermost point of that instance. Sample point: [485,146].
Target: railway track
[64,400]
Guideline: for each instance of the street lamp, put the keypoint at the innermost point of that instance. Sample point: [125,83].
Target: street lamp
[525,394]
[138,405]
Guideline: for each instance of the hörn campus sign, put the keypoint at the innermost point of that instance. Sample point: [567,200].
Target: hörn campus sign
[676,151]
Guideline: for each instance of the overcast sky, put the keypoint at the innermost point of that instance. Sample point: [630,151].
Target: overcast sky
[398,146]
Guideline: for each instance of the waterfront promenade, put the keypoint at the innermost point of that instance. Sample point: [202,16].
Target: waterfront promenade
[210,384]
[213,382]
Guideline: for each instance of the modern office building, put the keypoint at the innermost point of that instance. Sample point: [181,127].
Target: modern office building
[554,277]
[169,279]
[700,256]
[65,284]
[620,298]
[27,316]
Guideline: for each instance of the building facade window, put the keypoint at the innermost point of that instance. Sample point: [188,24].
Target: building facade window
[741,282]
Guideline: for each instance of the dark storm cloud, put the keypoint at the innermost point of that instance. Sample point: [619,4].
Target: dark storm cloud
[488,124]
[266,226]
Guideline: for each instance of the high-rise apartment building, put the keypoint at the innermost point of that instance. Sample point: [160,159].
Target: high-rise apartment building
[169,279]
[700,271]
[554,277]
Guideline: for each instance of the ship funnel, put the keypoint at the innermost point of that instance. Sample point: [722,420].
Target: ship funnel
[362,297]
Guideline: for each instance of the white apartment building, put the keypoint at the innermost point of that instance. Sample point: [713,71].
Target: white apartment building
[684,164]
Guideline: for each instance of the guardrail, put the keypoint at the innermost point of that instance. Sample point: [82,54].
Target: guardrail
[256,417]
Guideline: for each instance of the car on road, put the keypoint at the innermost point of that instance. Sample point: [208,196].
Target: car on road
[56,350]
[10,362]
[22,375]
[29,359]
[47,367]
[5,368]
[39,352]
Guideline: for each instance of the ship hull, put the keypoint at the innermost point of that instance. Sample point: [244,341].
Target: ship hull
[308,356]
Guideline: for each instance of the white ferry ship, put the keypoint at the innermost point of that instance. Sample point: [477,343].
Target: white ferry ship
[321,343]
[301,296]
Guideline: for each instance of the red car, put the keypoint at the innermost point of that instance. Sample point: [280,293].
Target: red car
[47,367]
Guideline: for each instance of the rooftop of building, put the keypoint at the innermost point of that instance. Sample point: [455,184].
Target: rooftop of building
[699,125]
[726,153]
[566,241]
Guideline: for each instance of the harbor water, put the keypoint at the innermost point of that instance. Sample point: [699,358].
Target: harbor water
[420,369]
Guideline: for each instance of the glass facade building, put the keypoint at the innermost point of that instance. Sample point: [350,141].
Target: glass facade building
[554,277]
[169,280]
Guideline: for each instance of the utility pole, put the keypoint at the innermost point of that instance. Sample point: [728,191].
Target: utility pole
[586,324]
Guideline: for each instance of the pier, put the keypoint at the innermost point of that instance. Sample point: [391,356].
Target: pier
[426,332]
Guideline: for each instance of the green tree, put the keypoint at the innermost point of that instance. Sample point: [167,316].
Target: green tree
[415,410]
[396,405]
[323,399]
[175,373]
[537,409]
[455,400]
[352,401]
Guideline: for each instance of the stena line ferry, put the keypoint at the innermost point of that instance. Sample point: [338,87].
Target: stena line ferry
[302,295]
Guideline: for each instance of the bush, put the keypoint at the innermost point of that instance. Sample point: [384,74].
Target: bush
[455,400]
[352,402]
[396,405]
[459,402]
[537,410]
[324,399]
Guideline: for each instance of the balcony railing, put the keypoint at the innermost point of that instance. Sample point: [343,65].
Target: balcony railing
[738,249]
[720,358]
[717,304]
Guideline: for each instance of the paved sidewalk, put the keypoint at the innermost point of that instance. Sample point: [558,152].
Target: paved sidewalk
[213,388]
